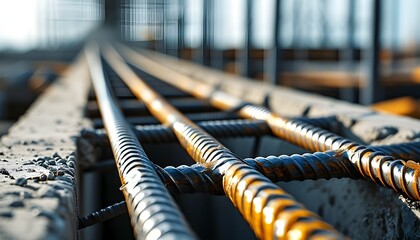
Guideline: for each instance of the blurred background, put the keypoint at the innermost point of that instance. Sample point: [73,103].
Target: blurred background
[360,51]
[355,50]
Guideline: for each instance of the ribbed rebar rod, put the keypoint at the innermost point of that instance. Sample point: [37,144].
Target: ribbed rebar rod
[329,123]
[163,134]
[129,107]
[199,177]
[153,213]
[202,178]
[217,128]
[383,169]
[270,211]
[147,120]
[102,215]
[405,151]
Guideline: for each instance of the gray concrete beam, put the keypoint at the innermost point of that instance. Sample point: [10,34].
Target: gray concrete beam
[38,162]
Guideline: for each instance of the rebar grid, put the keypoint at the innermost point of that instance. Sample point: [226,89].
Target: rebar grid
[397,174]
[270,211]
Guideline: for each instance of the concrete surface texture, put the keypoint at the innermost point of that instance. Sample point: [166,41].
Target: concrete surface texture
[38,163]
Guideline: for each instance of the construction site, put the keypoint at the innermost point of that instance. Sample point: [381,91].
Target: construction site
[200,119]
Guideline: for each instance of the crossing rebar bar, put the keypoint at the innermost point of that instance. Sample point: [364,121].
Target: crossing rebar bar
[216,128]
[163,134]
[270,211]
[103,215]
[205,178]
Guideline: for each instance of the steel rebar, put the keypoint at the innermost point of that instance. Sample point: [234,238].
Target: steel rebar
[203,116]
[152,211]
[200,177]
[102,215]
[156,133]
[270,211]
[130,107]
[163,134]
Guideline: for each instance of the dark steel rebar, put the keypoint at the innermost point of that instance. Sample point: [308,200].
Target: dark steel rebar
[203,116]
[201,177]
[276,215]
[102,215]
[135,108]
[163,134]
[152,211]
[405,151]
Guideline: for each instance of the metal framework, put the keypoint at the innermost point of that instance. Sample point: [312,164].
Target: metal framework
[248,183]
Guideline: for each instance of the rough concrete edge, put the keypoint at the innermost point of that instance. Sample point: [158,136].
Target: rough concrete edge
[38,194]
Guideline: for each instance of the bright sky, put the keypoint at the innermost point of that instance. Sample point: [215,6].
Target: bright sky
[18,28]
[20,21]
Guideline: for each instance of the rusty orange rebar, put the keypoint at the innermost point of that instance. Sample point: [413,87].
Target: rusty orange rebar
[270,211]
[380,168]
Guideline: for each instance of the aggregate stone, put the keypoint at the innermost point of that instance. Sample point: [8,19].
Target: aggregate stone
[62,161]
[16,203]
[21,181]
[6,213]
[50,176]
[65,178]
[71,164]
[4,171]
[53,168]
[71,158]
[46,191]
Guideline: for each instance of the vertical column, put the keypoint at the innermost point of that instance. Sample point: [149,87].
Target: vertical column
[347,56]
[395,31]
[206,31]
[160,25]
[216,60]
[198,53]
[274,55]
[213,54]
[111,8]
[165,26]
[156,28]
[369,93]
[244,58]
[417,36]
[181,27]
